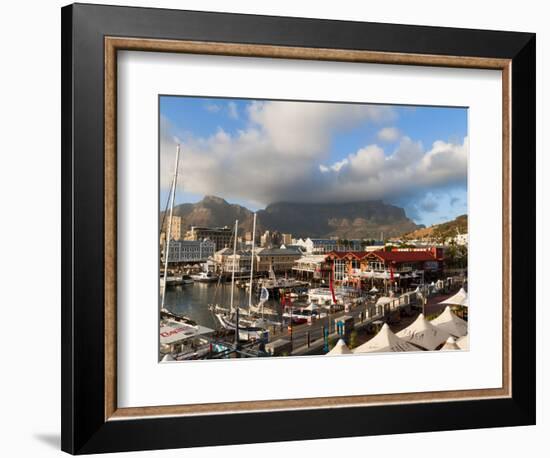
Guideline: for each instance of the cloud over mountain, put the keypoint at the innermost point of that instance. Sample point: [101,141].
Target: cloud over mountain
[283,155]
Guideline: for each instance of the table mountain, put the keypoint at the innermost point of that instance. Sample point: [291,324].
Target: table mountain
[353,220]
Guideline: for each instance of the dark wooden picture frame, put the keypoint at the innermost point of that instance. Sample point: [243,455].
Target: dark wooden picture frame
[91,37]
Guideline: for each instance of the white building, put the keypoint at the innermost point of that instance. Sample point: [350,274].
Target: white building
[191,250]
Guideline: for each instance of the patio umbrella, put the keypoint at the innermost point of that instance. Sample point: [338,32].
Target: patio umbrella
[424,334]
[385,341]
[340,349]
[449,322]
[460,298]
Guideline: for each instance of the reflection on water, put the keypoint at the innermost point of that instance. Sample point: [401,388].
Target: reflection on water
[193,300]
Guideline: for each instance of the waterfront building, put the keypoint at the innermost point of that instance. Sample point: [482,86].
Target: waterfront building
[279,259]
[299,248]
[184,251]
[221,236]
[402,263]
[312,267]
[242,262]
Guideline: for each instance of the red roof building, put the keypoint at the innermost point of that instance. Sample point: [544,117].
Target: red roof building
[399,262]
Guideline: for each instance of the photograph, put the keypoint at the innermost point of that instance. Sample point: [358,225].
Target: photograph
[310,228]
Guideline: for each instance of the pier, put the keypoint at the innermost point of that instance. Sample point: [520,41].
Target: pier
[310,338]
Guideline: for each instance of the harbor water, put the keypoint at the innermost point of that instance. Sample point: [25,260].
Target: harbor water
[192,300]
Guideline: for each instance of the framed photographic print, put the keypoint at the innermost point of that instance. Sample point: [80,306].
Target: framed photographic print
[281,228]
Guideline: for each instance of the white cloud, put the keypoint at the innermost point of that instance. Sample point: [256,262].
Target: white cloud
[389,134]
[212,108]
[334,167]
[305,129]
[370,174]
[282,155]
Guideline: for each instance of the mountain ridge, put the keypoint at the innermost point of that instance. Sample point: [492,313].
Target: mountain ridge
[358,220]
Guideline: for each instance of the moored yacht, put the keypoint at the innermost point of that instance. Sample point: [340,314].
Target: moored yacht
[204,277]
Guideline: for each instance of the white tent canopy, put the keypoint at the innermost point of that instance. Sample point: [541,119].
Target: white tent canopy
[424,334]
[450,344]
[340,349]
[449,322]
[385,341]
[464,342]
[167,357]
[460,298]
[374,289]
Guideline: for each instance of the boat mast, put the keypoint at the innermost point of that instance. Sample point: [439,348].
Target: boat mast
[168,233]
[233,269]
[252,262]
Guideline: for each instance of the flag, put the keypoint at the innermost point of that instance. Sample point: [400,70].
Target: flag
[264,295]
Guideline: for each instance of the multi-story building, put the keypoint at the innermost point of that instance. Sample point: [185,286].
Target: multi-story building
[271,239]
[221,236]
[183,251]
[286,239]
[176,229]
[401,263]
[241,260]
[279,259]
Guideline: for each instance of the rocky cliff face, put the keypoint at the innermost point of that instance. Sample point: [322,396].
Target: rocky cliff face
[354,220]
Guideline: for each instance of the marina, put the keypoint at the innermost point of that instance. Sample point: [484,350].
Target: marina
[304,328]
[238,289]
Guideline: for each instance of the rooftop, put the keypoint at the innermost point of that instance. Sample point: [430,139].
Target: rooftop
[280,252]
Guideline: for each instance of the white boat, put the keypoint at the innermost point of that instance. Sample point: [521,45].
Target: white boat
[274,283]
[182,338]
[324,295]
[176,280]
[230,319]
[320,295]
[245,332]
[205,277]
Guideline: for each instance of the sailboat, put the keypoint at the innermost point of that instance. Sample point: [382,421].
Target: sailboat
[180,337]
[231,320]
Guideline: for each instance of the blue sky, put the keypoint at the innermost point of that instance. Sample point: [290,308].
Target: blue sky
[258,152]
